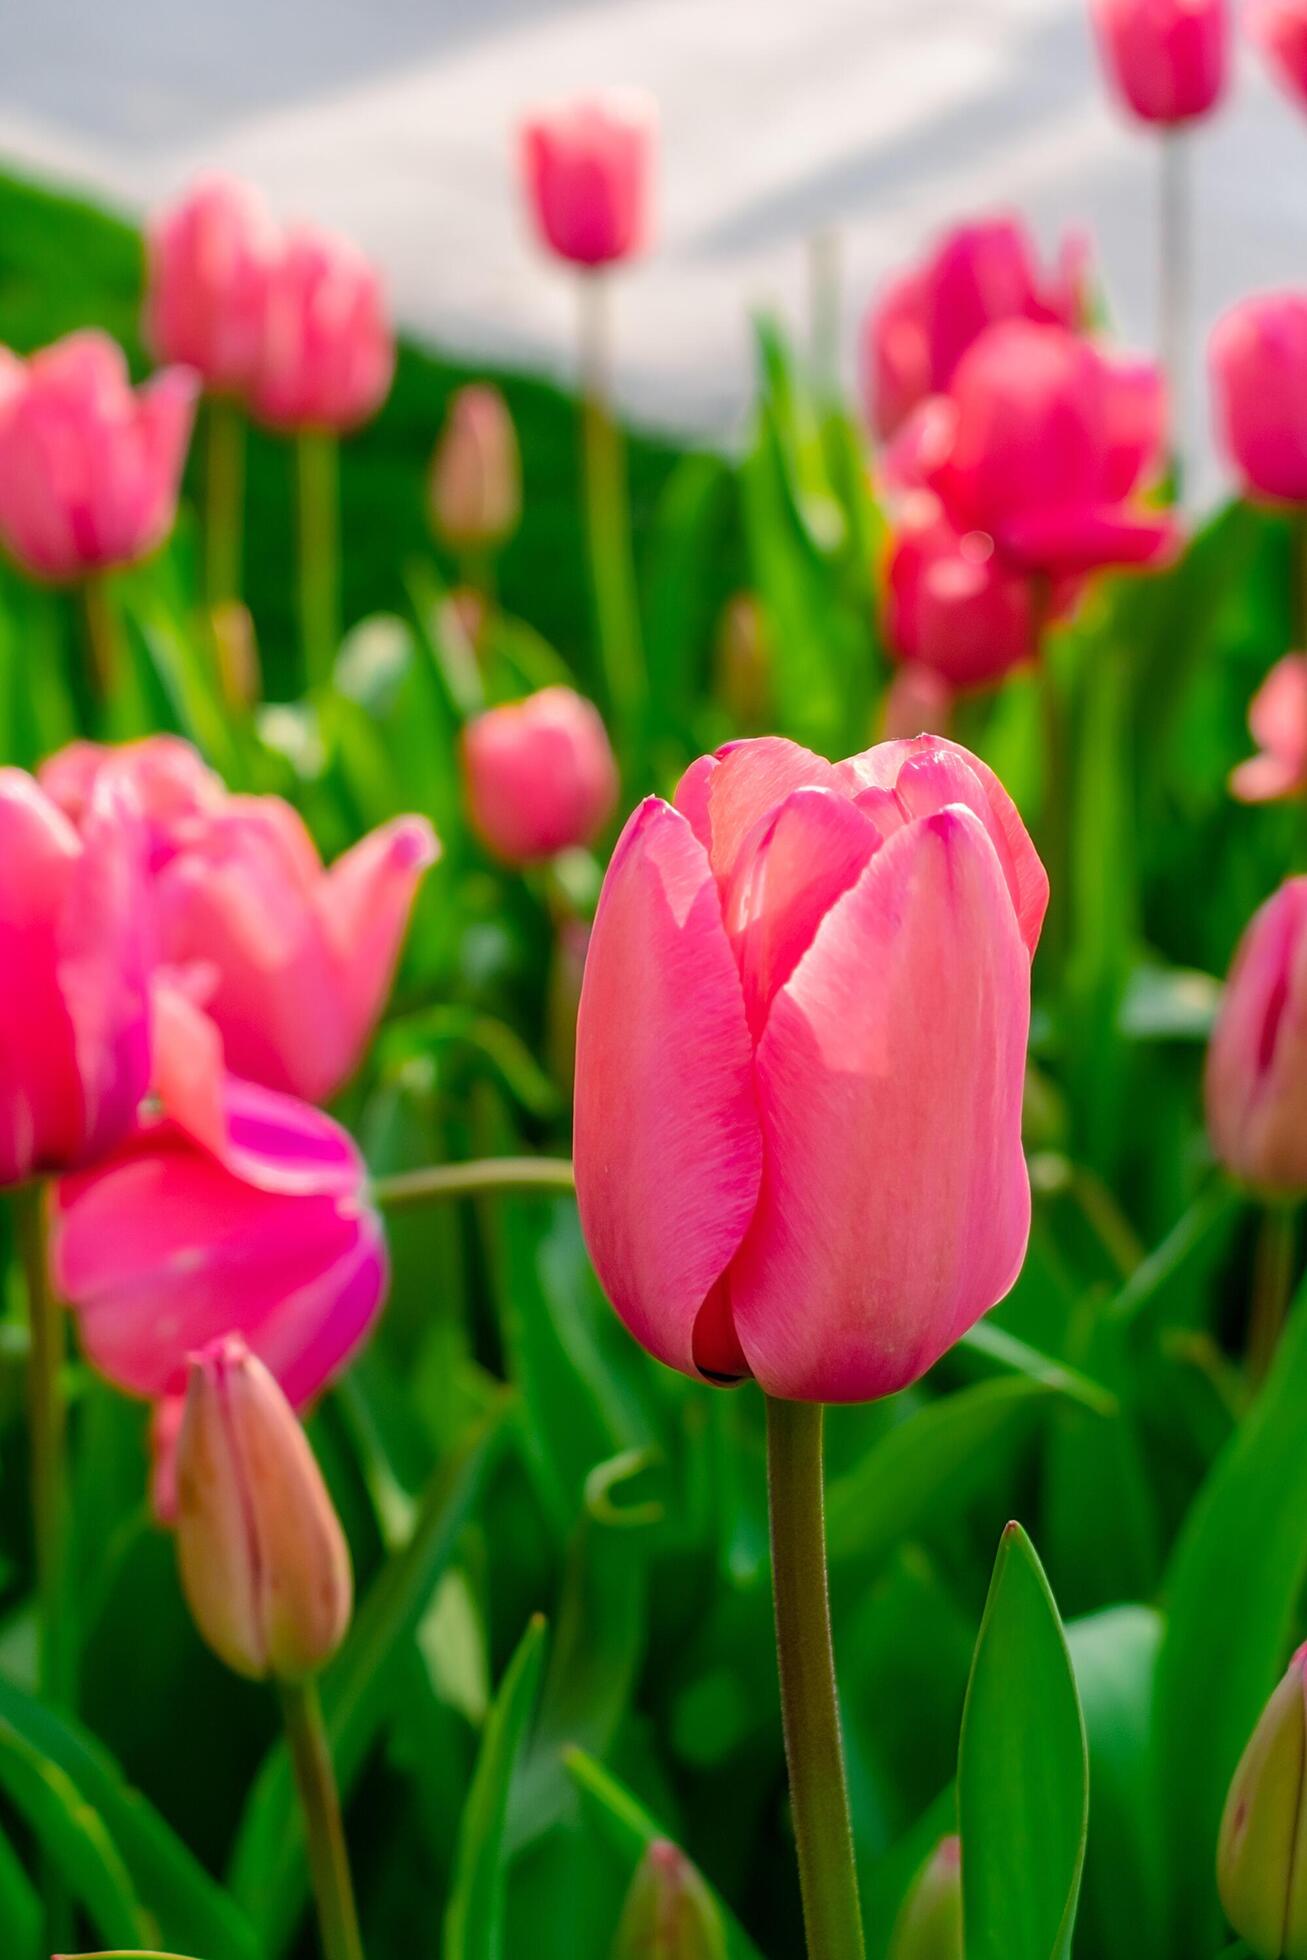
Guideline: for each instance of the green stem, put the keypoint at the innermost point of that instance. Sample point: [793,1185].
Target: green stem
[102,642]
[315,1780]
[1173,288]
[823,254]
[224,500]
[317,464]
[409,1189]
[1272,1284]
[1055,813]
[608,526]
[819,1800]
[46,1433]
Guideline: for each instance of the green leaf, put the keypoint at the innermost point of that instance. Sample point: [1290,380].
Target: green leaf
[1114,1654]
[474,1919]
[987,1338]
[1023,1772]
[20,1908]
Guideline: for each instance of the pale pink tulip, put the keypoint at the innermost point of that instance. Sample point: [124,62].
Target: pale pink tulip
[1258,354]
[588,169]
[540,775]
[1256,1086]
[475,490]
[89,467]
[1279,27]
[327,351]
[800,1062]
[1167,59]
[1278,721]
[208,260]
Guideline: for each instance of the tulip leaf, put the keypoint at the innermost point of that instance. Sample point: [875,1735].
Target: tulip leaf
[73,1837]
[1023,1773]
[474,1918]
[1233,1586]
[20,1909]
[1007,1351]
[1114,1654]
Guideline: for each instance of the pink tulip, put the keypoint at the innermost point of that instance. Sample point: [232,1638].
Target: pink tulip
[1280,29]
[1256,1083]
[89,468]
[74,996]
[1258,355]
[327,352]
[171,787]
[1168,59]
[951,603]
[1278,721]
[540,775]
[921,326]
[476,473]
[588,169]
[917,701]
[800,1061]
[208,261]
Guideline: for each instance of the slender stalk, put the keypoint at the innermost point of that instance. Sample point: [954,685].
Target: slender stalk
[1272,1284]
[1055,841]
[828,1879]
[608,524]
[46,1434]
[224,499]
[317,464]
[824,312]
[409,1189]
[1174,281]
[1299,546]
[315,1780]
[101,629]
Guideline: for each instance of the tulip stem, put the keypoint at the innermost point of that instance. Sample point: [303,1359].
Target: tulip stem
[1272,1285]
[1173,288]
[317,462]
[315,1780]
[608,525]
[814,1753]
[102,642]
[1055,840]
[224,500]
[46,1432]
[408,1189]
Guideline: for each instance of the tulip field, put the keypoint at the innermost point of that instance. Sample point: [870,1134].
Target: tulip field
[653,1103]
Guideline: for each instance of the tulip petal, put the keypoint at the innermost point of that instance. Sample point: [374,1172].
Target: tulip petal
[1084,539]
[365,903]
[748,780]
[40,1094]
[667,1147]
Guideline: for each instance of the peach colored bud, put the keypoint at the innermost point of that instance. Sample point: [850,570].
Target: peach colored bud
[476,473]
[669,1914]
[264,1564]
[930,1924]
[918,701]
[1260,1868]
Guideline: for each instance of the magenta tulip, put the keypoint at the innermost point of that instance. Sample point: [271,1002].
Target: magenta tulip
[951,603]
[540,775]
[208,260]
[1167,59]
[476,473]
[89,467]
[1280,29]
[921,326]
[588,170]
[1278,722]
[1258,354]
[800,1061]
[1256,1086]
[327,350]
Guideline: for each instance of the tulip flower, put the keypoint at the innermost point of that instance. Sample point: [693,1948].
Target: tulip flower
[208,258]
[1278,722]
[476,473]
[1260,1869]
[588,170]
[917,701]
[1167,59]
[172,789]
[951,604]
[89,467]
[1256,1082]
[1258,355]
[919,329]
[669,1912]
[930,1924]
[540,775]
[1279,27]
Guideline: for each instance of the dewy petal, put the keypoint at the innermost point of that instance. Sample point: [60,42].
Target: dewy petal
[749,779]
[895,1205]
[667,1147]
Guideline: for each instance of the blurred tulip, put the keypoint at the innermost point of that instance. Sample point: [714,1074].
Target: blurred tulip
[327,352]
[918,701]
[1258,354]
[800,1058]
[1256,1084]
[74,997]
[1260,1867]
[951,603]
[89,467]
[669,1912]
[588,169]
[209,256]
[1168,59]
[1278,721]
[263,1560]
[930,1925]
[540,775]
[476,473]
[170,786]
[744,661]
[921,326]
[1279,27]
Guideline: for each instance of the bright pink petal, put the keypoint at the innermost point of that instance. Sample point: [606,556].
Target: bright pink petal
[364,906]
[41,1105]
[1084,538]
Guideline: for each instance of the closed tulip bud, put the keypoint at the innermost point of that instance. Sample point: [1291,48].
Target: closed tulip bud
[588,170]
[327,350]
[1261,1869]
[1277,720]
[669,1913]
[1256,1080]
[540,775]
[263,1560]
[744,661]
[209,256]
[1258,359]
[476,473]
[1167,59]
[1280,29]
[930,1924]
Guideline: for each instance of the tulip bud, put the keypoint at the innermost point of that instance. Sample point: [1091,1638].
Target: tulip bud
[930,1925]
[1256,1080]
[540,775]
[264,1564]
[917,701]
[1167,59]
[476,473]
[669,1912]
[1260,1870]
[744,661]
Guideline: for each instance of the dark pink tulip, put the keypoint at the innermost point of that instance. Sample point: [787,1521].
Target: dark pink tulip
[800,1060]
[1257,1061]
[1258,355]
[1168,59]
[89,467]
[951,603]
[540,775]
[588,169]
[327,351]
[1278,721]
[1280,29]
[74,996]
[208,260]
[921,326]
